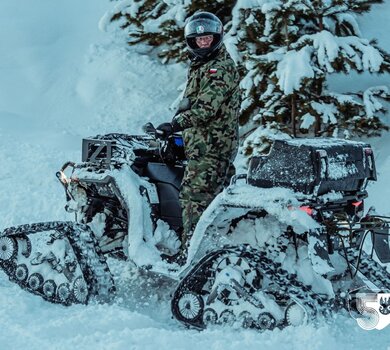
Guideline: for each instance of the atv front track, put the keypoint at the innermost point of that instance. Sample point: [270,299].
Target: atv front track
[59,261]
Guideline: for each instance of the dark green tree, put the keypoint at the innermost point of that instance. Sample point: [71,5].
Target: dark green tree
[160,23]
[301,43]
[286,51]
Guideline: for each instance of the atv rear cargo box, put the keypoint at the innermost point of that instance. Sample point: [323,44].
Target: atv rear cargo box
[314,166]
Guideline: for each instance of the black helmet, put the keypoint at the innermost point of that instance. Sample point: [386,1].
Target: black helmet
[201,24]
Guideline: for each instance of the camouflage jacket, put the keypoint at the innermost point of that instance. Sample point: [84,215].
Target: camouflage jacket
[211,123]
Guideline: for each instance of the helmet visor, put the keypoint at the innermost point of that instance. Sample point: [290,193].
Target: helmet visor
[202,27]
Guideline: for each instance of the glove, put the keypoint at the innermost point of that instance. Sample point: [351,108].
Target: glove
[164,130]
[176,126]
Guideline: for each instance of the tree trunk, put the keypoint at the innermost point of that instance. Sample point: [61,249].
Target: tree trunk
[293,115]
[321,23]
[317,127]
[318,124]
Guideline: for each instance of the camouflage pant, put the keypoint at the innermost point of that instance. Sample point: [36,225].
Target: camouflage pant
[203,180]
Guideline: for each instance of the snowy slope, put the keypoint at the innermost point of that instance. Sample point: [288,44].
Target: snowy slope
[61,80]
[56,88]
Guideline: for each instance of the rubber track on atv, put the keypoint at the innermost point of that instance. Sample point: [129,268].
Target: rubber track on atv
[287,284]
[95,275]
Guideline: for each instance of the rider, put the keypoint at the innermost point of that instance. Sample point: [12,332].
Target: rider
[209,121]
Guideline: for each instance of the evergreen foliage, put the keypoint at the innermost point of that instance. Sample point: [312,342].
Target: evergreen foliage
[160,23]
[286,51]
[301,44]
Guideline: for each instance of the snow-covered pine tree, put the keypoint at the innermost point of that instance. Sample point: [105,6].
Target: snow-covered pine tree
[286,49]
[159,23]
[298,45]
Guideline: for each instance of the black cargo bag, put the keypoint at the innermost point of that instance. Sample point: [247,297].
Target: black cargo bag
[314,166]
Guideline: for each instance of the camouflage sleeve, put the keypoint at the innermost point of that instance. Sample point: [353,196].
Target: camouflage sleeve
[214,87]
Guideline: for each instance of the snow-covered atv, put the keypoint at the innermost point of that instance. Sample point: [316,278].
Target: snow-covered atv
[282,245]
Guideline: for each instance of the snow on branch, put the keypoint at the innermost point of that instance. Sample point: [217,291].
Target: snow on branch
[308,120]
[124,7]
[260,141]
[349,21]
[316,54]
[327,111]
[293,68]
[372,105]
[356,52]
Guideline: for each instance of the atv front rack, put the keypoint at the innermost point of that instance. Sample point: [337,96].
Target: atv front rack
[102,150]
[97,151]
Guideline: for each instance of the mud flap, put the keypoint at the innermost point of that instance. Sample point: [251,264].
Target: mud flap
[378,226]
[59,261]
[318,252]
[380,238]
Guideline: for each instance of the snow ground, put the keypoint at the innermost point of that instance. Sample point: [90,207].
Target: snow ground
[61,80]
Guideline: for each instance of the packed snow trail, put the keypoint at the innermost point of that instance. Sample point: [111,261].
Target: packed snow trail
[29,322]
[61,80]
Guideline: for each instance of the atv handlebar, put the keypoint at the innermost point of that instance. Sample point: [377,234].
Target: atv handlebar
[149,129]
